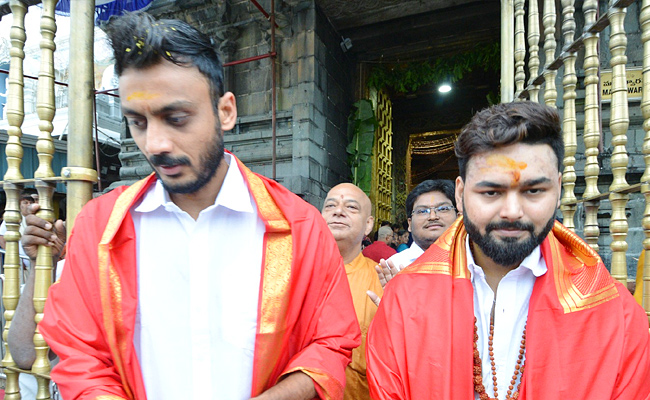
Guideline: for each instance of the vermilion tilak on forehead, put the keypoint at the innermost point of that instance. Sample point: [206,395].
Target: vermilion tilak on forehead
[507,165]
[142,96]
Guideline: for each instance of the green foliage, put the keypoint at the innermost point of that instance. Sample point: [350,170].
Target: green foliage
[361,135]
[409,77]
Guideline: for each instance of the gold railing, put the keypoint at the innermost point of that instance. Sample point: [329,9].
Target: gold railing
[594,25]
[79,174]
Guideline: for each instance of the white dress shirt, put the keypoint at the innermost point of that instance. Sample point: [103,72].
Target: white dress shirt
[406,257]
[198,291]
[510,315]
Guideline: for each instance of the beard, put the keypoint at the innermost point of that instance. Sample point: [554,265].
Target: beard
[508,251]
[209,161]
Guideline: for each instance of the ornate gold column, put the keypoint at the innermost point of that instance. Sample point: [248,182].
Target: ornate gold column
[592,126]
[12,216]
[520,47]
[645,187]
[618,124]
[45,108]
[80,142]
[549,18]
[533,49]
[569,81]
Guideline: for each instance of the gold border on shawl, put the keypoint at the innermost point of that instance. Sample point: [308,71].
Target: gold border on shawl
[276,278]
[331,387]
[452,241]
[110,285]
[569,296]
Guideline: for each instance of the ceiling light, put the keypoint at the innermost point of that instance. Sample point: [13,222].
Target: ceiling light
[444,88]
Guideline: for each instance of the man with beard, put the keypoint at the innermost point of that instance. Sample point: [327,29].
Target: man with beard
[203,280]
[509,304]
[348,213]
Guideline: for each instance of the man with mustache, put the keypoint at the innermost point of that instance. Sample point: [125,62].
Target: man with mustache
[509,304]
[431,208]
[204,280]
[348,213]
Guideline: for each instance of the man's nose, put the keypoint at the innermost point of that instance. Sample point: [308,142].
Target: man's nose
[158,140]
[512,207]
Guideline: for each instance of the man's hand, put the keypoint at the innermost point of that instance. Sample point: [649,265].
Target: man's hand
[42,233]
[385,272]
[295,386]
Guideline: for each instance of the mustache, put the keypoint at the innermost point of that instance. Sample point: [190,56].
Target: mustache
[164,160]
[509,225]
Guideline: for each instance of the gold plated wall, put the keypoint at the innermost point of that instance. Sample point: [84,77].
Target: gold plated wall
[569,82]
[382,187]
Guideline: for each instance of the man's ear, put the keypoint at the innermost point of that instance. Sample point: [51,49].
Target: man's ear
[460,187]
[409,221]
[370,222]
[227,108]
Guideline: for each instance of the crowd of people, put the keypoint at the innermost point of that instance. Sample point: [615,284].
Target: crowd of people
[206,280]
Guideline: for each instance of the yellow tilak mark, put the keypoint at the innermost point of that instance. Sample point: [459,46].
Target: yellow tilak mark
[142,96]
[508,165]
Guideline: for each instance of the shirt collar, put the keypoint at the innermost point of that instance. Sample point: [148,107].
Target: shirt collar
[534,263]
[234,193]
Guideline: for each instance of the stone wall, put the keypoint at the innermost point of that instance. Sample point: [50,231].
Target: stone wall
[314,88]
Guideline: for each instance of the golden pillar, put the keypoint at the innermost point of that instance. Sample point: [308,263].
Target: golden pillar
[569,81]
[645,186]
[618,124]
[533,48]
[549,18]
[12,216]
[520,47]
[81,93]
[592,126]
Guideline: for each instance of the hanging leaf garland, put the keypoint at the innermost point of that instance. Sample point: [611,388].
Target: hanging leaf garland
[409,77]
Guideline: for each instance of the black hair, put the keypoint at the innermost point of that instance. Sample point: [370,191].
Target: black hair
[443,186]
[506,124]
[139,41]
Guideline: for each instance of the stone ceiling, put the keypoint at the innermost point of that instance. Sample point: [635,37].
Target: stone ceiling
[396,30]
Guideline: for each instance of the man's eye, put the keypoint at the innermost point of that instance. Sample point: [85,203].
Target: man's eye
[445,208]
[177,120]
[491,193]
[136,123]
[535,191]
[422,211]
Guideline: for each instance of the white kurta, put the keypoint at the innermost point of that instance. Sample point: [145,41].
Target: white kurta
[510,315]
[198,290]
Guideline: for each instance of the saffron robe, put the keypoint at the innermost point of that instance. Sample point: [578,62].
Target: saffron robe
[305,314]
[361,277]
[586,337]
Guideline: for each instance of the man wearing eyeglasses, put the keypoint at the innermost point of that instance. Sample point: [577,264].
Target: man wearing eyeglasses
[431,208]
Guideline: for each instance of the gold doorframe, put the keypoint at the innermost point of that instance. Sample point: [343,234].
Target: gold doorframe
[428,143]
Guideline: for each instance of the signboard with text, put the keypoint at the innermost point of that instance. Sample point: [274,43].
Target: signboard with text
[634,84]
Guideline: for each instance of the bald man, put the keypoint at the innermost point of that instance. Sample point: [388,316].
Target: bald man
[347,211]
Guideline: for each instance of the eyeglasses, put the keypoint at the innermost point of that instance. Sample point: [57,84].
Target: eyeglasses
[439,211]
